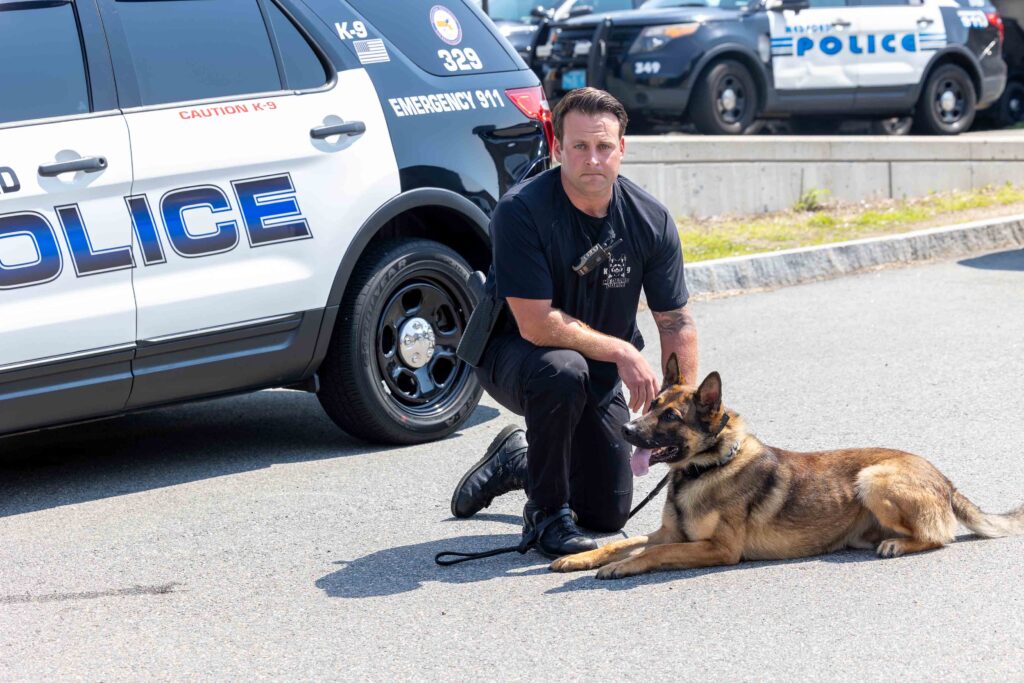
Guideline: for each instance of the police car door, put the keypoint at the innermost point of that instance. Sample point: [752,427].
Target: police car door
[892,41]
[806,47]
[244,199]
[67,316]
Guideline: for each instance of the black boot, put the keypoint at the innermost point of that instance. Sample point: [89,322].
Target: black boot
[502,469]
[559,536]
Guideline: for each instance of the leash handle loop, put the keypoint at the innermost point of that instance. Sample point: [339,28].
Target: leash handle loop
[529,540]
[465,557]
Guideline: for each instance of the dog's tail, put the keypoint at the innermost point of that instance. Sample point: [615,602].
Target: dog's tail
[984,524]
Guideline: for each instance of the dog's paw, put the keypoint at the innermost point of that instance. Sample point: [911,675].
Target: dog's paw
[571,563]
[892,547]
[619,570]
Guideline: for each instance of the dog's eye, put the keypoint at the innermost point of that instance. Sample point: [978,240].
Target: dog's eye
[672,416]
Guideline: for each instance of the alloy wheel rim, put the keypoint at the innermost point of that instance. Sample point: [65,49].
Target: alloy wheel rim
[418,332]
[950,102]
[731,99]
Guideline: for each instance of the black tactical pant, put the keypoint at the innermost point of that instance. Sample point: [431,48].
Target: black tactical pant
[576,451]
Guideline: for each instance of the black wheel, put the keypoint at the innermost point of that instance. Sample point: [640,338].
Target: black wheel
[724,100]
[894,125]
[391,374]
[948,102]
[1009,108]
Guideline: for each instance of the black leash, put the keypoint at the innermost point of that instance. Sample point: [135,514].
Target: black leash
[530,539]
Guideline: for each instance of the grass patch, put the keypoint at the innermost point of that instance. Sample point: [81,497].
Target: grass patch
[814,221]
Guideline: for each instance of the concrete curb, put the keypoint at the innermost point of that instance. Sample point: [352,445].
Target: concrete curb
[794,266]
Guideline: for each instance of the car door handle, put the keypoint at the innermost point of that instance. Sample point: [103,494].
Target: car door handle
[839,23]
[349,128]
[927,21]
[87,164]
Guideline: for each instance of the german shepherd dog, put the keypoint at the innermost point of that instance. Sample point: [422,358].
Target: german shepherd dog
[733,498]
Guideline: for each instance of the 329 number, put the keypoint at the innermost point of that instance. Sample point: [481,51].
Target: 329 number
[460,59]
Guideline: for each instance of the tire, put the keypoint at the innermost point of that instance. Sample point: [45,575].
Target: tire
[724,100]
[894,125]
[370,385]
[1009,109]
[948,102]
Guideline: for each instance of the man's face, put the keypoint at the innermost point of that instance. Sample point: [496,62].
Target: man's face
[590,152]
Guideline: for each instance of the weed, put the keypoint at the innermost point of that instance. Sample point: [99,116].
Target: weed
[811,200]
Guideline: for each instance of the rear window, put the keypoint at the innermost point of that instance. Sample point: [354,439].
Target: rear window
[42,72]
[445,39]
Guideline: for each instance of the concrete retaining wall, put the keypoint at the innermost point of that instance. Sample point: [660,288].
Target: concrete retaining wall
[707,176]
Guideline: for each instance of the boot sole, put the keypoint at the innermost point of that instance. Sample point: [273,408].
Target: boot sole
[496,443]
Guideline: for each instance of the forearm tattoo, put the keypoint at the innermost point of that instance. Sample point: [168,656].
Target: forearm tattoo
[672,322]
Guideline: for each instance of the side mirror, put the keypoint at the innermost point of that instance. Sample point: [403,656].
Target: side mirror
[539,12]
[580,10]
[782,5]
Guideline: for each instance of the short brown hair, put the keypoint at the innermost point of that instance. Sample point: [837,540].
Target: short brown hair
[589,101]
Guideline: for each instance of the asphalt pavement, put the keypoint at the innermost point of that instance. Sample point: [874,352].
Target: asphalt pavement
[246,538]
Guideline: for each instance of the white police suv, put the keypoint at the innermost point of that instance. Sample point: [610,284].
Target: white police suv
[723,64]
[202,197]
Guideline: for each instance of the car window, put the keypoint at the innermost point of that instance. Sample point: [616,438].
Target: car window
[827,3]
[302,67]
[445,39]
[723,4]
[185,50]
[593,7]
[607,5]
[42,70]
[518,10]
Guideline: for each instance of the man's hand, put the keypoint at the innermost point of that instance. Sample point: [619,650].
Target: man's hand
[638,376]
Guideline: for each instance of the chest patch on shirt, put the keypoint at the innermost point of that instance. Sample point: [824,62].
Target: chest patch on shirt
[615,272]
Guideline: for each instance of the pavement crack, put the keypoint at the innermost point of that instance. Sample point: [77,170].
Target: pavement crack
[161,589]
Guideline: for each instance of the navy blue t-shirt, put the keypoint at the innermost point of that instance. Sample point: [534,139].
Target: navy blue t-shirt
[538,236]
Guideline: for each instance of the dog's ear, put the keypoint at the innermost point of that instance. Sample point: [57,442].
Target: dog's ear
[671,373]
[709,394]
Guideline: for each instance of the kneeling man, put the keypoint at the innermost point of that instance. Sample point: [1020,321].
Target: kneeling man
[575,341]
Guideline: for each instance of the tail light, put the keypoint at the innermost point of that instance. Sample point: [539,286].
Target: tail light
[996,22]
[533,104]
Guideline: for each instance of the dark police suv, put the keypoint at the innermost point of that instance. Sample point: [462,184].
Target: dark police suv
[203,197]
[723,64]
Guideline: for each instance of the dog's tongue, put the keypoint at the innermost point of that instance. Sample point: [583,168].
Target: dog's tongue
[640,462]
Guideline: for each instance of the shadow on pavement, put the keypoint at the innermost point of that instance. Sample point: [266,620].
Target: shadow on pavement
[587,581]
[170,446]
[1003,260]
[489,517]
[406,568]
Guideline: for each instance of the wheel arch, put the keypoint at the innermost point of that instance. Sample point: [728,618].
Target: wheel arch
[742,55]
[416,213]
[419,213]
[953,55]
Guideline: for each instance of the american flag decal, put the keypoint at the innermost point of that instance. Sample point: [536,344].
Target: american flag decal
[371,51]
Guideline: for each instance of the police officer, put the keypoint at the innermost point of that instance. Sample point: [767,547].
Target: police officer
[574,340]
